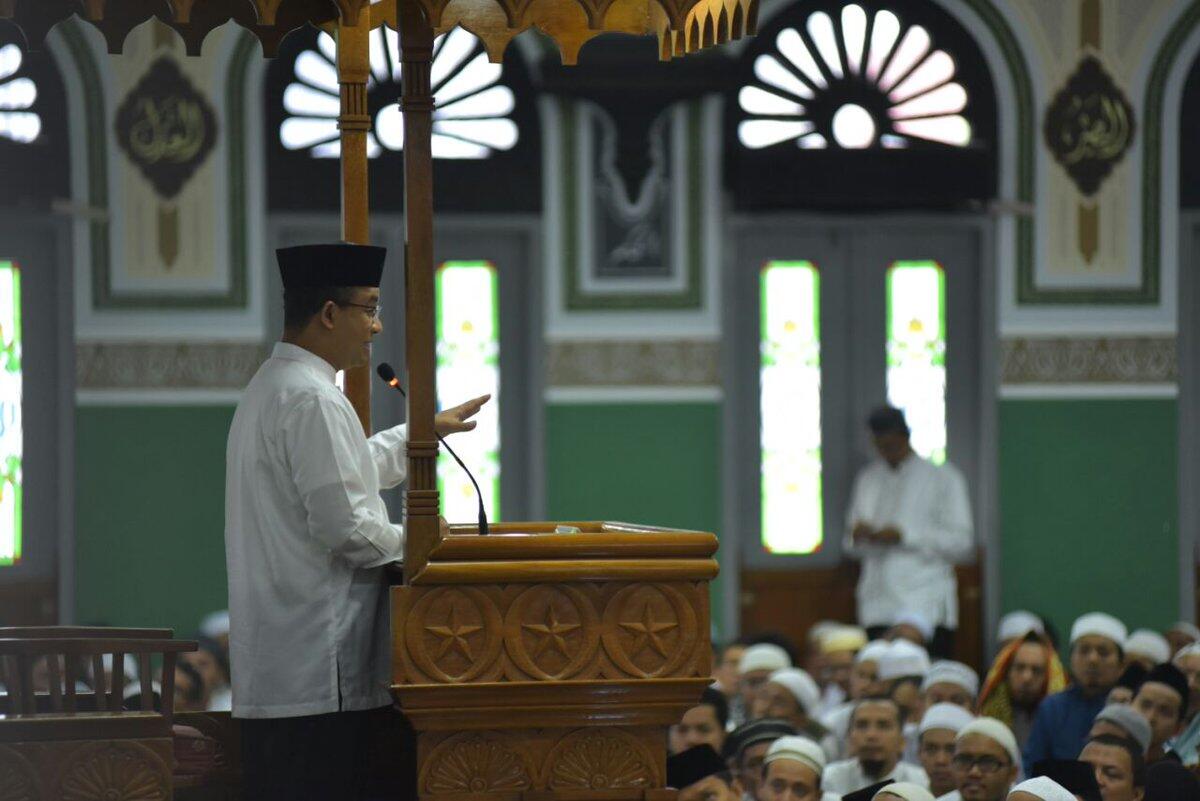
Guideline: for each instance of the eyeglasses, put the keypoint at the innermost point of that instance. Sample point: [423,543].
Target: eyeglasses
[373,311]
[986,764]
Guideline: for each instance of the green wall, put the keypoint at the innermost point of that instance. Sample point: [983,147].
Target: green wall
[1089,509]
[150,514]
[652,463]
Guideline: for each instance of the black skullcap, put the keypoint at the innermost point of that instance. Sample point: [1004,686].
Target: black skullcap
[887,420]
[867,793]
[333,264]
[1173,677]
[1133,677]
[755,731]
[1076,777]
[690,766]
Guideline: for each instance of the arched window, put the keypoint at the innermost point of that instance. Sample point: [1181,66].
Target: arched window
[485,127]
[862,104]
[470,122]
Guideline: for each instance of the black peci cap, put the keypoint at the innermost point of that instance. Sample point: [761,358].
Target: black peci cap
[332,264]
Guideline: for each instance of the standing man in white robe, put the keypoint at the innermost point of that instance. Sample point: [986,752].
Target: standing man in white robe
[307,536]
[909,521]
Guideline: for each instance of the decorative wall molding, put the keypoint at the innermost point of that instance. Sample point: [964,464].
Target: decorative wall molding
[166,365]
[669,362]
[1090,360]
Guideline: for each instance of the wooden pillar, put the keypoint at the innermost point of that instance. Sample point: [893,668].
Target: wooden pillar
[421,513]
[354,122]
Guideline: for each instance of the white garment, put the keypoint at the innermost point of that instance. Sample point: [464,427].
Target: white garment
[306,535]
[837,721]
[953,795]
[843,778]
[930,508]
[221,700]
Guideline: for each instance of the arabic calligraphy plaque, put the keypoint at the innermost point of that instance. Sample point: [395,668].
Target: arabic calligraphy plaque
[1089,125]
[166,127]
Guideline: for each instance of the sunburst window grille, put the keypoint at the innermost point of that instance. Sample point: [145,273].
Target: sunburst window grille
[17,96]
[854,80]
[470,121]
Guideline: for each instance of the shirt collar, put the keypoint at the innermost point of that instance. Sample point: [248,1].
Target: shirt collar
[295,353]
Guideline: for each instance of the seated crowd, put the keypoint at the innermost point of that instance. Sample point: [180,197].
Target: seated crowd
[865,720]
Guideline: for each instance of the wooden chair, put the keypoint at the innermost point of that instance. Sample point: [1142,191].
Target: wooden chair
[65,743]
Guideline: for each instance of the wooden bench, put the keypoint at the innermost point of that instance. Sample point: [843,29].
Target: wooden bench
[68,743]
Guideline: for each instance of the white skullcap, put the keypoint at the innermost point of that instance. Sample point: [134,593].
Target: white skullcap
[800,685]
[945,716]
[873,651]
[1101,625]
[903,658]
[764,656]
[821,628]
[843,638]
[1018,624]
[920,622]
[800,749]
[1186,629]
[996,731]
[1045,788]
[908,791]
[1149,644]
[944,671]
[129,666]
[215,624]
[1188,650]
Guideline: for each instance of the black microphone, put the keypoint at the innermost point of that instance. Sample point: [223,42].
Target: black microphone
[388,375]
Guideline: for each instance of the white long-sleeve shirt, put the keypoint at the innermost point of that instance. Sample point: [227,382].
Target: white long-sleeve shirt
[306,535]
[930,508]
[847,776]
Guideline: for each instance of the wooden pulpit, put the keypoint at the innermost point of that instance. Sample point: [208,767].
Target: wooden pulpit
[537,665]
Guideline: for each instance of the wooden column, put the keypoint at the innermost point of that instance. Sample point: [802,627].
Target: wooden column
[421,512]
[354,122]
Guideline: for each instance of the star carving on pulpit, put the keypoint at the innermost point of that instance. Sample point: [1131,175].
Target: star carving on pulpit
[454,635]
[552,632]
[647,632]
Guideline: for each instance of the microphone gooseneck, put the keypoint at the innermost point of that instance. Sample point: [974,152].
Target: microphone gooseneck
[385,372]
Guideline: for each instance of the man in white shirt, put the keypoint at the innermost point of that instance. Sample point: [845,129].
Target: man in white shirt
[909,521]
[877,740]
[307,536]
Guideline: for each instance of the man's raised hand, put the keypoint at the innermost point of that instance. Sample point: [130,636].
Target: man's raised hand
[458,418]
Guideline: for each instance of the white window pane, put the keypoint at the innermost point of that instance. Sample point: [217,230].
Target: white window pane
[10,60]
[790,407]
[17,94]
[20,126]
[304,101]
[477,74]
[300,132]
[455,48]
[11,425]
[500,134]
[768,70]
[389,127]
[447,147]
[853,127]
[854,32]
[912,49]
[759,101]
[792,46]
[763,133]
[936,69]
[883,36]
[948,99]
[916,352]
[495,102]
[820,28]
[954,130]
[317,71]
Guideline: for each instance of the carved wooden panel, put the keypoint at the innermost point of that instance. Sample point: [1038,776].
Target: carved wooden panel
[551,632]
[567,761]
[86,770]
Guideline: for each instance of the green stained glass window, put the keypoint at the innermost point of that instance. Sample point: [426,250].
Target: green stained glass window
[468,365]
[916,352]
[790,382]
[11,436]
